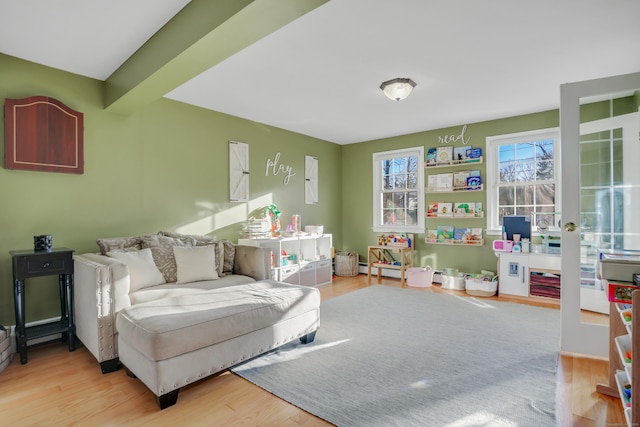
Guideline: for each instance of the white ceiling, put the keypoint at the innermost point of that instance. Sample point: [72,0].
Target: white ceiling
[320,75]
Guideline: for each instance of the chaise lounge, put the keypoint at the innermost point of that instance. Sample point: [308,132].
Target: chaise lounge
[207,319]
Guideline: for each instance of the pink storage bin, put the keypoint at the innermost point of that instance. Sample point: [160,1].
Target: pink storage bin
[419,277]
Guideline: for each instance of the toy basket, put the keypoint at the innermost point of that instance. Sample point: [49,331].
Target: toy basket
[480,287]
[347,264]
[419,277]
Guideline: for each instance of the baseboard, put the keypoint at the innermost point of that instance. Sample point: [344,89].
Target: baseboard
[12,330]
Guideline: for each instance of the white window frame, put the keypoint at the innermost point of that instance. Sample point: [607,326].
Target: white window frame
[492,172]
[377,190]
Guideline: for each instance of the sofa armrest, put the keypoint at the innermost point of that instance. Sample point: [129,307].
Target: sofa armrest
[252,261]
[101,289]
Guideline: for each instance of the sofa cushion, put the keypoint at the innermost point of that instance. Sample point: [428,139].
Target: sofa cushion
[143,272]
[229,256]
[119,243]
[173,326]
[195,263]
[162,251]
[203,240]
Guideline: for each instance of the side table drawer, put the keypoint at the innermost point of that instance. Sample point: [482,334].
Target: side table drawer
[48,265]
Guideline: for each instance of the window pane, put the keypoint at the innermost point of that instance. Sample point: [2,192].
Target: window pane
[506,196]
[387,183]
[524,194]
[400,181]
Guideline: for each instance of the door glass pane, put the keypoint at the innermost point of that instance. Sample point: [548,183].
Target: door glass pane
[609,196]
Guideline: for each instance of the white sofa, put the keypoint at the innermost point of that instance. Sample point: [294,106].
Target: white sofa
[176,332]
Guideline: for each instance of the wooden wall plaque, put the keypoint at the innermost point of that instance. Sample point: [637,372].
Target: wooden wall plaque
[43,134]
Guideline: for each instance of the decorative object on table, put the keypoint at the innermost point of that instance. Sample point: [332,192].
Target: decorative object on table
[273,214]
[42,243]
[256,228]
[296,223]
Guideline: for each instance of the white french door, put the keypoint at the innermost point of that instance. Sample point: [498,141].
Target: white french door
[600,195]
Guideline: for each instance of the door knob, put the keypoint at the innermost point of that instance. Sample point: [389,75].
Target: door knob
[570,226]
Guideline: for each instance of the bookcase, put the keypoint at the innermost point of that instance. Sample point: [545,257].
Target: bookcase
[300,260]
[452,219]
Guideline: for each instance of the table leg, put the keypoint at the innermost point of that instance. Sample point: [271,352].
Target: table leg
[68,280]
[21,331]
[369,265]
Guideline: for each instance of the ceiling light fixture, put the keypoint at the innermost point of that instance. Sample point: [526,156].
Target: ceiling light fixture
[397,89]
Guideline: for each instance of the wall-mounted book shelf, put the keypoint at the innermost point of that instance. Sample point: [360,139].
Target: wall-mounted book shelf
[456,215]
[457,189]
[451,163]
[455,242]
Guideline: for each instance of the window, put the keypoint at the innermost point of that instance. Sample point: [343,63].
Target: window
[398,191]
[523,178]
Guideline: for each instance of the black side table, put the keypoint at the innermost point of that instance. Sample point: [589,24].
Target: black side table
[28,263]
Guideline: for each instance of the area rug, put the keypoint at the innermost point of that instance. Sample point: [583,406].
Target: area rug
[387,356]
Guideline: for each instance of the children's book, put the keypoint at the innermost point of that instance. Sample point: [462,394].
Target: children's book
[445,232]
[475,235]
[432,156]
[460,234]
[460,179]
[445,154]
[445,181]
[474,153]
[432,209]
[479,212]
[460,154]
[432,183]
[464,209]
[432,236]
[445,209]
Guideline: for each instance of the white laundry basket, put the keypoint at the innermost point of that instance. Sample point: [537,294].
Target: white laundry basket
[419,277]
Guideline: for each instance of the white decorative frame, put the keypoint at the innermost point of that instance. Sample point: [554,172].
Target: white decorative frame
[310,180]
[238,171]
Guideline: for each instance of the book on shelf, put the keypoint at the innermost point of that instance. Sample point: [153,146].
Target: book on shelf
[432,156]
[432,183]
[474,153]
[475,235]
[445,209]
[432,209]
[464,209]
[445,232]
[431,235]
[460,234]
[460,153]
[460,179]
[479,212]
[444,182]
[474,183]
[444,154]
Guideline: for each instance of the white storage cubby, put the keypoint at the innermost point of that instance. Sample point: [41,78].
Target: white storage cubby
[300,260]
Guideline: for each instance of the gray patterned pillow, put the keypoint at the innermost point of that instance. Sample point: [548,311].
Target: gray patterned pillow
[119,243]
[162,251]
[229,256]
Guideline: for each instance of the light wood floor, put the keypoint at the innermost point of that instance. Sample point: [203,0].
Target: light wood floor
[59,388]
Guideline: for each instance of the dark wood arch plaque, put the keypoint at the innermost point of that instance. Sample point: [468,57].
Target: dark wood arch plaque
[43,134]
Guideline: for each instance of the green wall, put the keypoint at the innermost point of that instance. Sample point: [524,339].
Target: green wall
[162,168]
[165,167]
[358,192]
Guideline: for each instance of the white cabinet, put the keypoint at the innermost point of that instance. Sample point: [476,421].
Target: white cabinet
[513,278]
[303,260]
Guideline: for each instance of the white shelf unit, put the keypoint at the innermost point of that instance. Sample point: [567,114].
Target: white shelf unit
[624,373]
[300,260]
[466,162]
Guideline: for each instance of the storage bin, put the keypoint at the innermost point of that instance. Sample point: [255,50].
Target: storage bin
[347,264]
[419,277]
[453,282]
[481,288]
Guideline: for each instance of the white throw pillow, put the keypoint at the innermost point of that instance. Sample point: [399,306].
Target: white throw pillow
[195,263]
[142,270]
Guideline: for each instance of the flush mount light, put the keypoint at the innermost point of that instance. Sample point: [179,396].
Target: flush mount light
[398,89]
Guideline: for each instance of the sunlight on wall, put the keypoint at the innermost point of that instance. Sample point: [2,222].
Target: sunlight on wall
[233,215]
